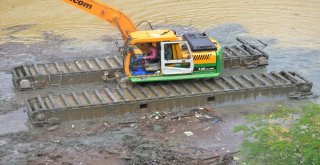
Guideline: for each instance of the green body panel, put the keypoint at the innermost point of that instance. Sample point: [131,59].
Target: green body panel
[194,75]
[220,60]
[204,65]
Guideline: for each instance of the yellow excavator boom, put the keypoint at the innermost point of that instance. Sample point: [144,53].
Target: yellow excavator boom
[107,13]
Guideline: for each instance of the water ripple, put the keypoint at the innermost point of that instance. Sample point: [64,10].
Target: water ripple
[290,21]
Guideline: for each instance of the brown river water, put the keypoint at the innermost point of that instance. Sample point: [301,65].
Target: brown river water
[290,27]
[292,22]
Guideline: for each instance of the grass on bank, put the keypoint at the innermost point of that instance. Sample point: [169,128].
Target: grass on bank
[286,136]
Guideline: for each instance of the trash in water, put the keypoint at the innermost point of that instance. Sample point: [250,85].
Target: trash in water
[216,121]
[188,133]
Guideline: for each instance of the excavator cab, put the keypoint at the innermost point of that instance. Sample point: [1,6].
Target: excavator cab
[172,58]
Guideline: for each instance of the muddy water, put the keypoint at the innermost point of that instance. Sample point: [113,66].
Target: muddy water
[6,90]
[13,122]
[292,22]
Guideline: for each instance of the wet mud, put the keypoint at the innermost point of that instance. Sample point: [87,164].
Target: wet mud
[158,138]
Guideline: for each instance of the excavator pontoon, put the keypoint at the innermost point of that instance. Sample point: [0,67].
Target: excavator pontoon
[163,60]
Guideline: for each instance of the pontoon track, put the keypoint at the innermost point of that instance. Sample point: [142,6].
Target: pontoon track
[94,70]
[164,96]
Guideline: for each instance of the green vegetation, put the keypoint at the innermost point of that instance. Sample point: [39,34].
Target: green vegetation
[286,136]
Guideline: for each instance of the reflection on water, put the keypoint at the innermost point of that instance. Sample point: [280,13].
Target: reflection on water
[13,122]
[6,89]
[293,22]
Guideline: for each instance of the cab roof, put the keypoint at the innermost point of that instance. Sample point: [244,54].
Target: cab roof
[152,36]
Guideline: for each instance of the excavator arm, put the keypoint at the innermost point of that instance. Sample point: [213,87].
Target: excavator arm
[107,13]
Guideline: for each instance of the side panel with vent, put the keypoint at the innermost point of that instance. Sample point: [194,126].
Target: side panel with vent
[204,58]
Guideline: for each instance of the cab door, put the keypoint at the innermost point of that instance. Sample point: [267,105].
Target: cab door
[176,58]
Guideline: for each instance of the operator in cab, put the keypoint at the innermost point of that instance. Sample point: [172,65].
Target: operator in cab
[152,54]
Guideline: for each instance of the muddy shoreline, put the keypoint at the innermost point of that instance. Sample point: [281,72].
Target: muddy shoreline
[133,139]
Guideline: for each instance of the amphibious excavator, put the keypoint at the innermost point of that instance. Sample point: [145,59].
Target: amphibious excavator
[157,57]
[190,56]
